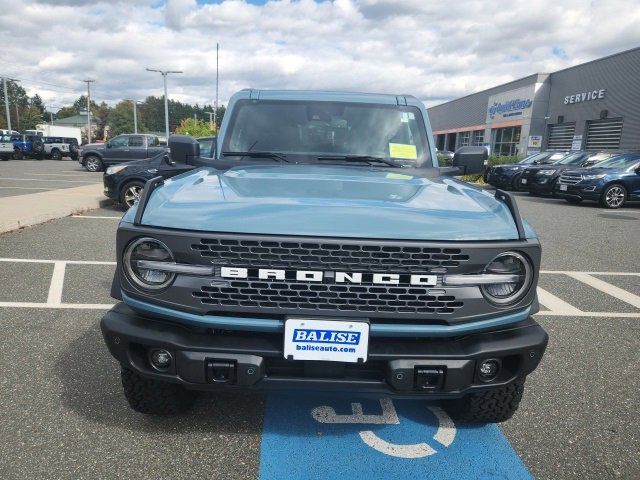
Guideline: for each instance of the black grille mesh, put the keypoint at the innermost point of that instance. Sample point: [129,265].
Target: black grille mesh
[327,256]
[284,295]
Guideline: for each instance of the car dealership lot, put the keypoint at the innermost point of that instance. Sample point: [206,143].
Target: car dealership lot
[64,415]
[21,177]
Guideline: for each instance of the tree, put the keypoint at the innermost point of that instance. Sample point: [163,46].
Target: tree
[101,114]
[194,128]
[30,117]
[121,119]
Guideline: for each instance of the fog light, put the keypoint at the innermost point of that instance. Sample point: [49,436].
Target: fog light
[488,370]
[160,359]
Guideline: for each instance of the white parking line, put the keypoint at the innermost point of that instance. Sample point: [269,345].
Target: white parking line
[555,304]
[96,216]
[72,306]
[607,288]
[79,174]
[57,283]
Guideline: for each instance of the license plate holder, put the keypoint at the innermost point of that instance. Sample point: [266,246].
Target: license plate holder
[524,180]
[327,340]
[563,188]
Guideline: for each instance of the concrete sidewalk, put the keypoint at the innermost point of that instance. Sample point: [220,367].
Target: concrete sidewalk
[25,210]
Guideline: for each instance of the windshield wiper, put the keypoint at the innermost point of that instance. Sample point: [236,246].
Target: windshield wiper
[257,154]
[368,159]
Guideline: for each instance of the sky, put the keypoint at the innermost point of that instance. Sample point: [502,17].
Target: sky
[435,50]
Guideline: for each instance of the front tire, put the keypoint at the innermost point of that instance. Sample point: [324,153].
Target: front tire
[130,193]
[153,397]
[56,155]
[614,196]
[515,183]
[93,164]
[17,154]
[490,406]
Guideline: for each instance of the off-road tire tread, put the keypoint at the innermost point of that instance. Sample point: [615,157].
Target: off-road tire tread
[491,406]
[153,397]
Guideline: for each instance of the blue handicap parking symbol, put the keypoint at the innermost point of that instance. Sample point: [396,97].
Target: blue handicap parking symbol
[317,436]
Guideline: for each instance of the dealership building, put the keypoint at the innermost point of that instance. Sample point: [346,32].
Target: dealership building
[593,106]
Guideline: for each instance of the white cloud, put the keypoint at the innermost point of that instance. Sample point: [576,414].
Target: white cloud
[434,50]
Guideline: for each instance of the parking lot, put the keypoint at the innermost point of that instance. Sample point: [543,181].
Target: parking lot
[64,415]
[22,177]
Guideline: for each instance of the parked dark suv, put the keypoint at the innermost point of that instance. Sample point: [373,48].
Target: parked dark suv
[540,179]
[507,175]
[125,182]
[612,182]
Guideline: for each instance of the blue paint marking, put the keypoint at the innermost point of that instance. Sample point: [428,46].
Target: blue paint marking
[296,446]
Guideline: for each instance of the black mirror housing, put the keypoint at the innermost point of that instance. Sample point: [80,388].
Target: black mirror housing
[183,148]
[470,160]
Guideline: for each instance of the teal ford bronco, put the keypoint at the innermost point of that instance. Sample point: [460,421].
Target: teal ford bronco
[322,248]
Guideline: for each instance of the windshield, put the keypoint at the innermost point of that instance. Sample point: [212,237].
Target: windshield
[533,158]
[619,161]
[306,130]
[571,159]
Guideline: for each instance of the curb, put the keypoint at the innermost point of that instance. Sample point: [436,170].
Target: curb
[27,210]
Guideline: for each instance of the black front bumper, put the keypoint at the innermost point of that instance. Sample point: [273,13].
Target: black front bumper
[433,368]
[110,186]
[579,191]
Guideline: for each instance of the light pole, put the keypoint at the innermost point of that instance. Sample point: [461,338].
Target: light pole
[164,74]
[89,82]
[215,108]
[135,114]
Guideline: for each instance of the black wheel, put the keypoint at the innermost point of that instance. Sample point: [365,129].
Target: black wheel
[130,193]
[93,163]
[153,397]
[515,183]
[37,146]
[73,148]
[613,196]
[490,406]
[55,154]
[17,154]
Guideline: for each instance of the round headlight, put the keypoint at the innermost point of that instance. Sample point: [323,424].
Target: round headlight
[147,250]
[508,263]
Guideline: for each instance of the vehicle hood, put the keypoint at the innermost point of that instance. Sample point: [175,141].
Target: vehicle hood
[93,146]
[510,167]
[330,201]
[596,171]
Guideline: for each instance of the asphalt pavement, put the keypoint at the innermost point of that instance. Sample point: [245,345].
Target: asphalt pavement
[22,177]
[63,414]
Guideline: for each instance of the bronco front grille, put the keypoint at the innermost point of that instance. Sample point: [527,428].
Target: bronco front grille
[570,178]
[291,295]
[327,256]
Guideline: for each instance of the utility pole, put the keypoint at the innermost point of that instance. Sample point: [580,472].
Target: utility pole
[164,74]
[89,82]
[215,108]
[135,116]
[211,115]
[6,103]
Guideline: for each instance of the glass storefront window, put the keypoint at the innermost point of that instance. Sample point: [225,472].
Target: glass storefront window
[505,141]
[464,139]
[478,138]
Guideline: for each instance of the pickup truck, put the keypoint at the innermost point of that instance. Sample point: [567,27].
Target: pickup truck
[95,157]
[322,247]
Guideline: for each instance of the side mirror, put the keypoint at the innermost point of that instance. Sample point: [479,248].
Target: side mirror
[166,158]
[470,160]
[183,149]
[108,144]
